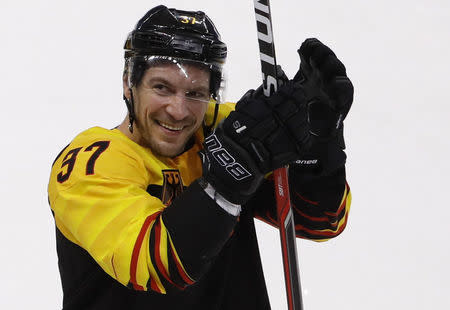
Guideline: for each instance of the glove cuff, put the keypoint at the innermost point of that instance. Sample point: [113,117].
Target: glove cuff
[229,207]
[229,168]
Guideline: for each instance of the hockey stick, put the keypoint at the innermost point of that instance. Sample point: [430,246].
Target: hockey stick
[284,211]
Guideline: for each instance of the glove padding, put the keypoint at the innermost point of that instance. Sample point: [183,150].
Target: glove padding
[228,167]
[329,94]
[328,89]
[301,123]
[255,139]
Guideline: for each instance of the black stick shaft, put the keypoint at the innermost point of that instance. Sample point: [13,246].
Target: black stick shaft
[284,210]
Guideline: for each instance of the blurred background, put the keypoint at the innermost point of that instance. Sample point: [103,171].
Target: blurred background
[62,66]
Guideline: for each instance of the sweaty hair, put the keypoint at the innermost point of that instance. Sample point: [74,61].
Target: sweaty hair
[137,71]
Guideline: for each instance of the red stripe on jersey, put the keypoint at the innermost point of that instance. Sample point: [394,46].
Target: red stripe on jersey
[268,219]
[159,263]
[307,200]
[137,249]
[181,272]
[114,268]
[312,218]
[154,286]
[319,233]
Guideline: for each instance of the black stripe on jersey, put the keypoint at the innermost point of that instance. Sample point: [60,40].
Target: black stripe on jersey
[156,190]
[171,281]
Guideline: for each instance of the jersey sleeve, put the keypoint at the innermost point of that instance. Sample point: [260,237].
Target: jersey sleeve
[320,204]
[97,192]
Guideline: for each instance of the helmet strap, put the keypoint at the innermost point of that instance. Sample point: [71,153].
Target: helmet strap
[130,106]
[130,125]
[209,128]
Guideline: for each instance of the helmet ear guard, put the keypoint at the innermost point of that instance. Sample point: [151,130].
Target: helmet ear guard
[215,84]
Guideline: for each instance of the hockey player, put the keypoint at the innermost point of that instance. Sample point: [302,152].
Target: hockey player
[158,213]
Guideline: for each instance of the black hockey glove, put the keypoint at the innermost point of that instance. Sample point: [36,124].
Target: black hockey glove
[261,135]
[228,167]
[329,94]
[328,89]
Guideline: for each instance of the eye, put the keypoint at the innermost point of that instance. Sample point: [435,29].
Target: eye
[197,95]
[161,89]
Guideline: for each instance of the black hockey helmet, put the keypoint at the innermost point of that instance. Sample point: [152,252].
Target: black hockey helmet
[175,33]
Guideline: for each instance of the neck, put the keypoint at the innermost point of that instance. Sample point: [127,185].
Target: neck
[123,127]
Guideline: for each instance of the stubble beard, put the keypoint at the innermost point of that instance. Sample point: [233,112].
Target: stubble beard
[162,148]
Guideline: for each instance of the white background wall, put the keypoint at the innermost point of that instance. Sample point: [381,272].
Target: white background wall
[61,73]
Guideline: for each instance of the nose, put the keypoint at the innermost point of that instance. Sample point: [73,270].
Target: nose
[177,108]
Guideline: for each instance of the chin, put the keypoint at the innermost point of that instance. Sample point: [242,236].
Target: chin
[162,147]
[168,150]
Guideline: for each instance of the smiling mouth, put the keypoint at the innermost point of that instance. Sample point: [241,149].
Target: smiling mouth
[170,127]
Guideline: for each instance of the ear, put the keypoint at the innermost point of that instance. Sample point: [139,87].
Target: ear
[126,88]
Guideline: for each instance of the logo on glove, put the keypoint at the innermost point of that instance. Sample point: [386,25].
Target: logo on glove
[221,155]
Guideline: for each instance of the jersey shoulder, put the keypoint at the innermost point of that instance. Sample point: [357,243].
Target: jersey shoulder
[99,155]
[224,109]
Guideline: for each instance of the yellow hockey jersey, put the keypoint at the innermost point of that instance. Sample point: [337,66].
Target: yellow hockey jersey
[115,207]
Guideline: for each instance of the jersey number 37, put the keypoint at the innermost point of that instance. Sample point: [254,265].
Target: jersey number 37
[71,156]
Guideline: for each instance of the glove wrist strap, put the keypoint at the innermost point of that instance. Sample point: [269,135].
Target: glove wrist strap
[229,207]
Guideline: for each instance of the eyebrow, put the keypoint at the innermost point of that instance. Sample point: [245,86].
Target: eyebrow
[160,79]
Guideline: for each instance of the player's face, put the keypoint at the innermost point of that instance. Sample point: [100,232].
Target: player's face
[170,104]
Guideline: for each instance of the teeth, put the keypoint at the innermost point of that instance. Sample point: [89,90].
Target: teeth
[170,127]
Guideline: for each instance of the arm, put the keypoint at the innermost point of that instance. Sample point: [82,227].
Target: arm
[320,204]
[129,233]
[319,192]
